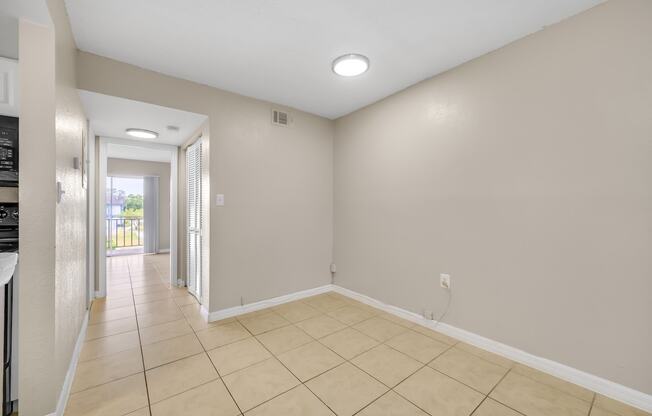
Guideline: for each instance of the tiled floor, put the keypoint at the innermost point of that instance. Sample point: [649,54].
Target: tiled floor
[149,351]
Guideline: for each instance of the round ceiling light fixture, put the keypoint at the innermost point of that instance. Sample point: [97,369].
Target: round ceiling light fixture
[142,133]
[351,65]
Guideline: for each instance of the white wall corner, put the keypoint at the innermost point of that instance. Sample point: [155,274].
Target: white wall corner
[589,381]
[72,368]
[252,307]
[204,312]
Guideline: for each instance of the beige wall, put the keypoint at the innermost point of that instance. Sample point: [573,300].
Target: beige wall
[526,174]
[274,236]
[36,299]
[127,168]
[52,296]
[8,37]
[71,125]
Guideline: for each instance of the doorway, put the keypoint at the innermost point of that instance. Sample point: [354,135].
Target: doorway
[123,226]
[124,216]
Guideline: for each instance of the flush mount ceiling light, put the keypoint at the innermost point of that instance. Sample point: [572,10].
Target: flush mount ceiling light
[142,133]
[351,65]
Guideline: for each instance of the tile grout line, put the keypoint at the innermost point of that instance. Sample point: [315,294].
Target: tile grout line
[411,374]
[491,391]
[326,313]
[219,376]
[301,383]
[192,355]
[592,404]
[179,359]
[140,343]
[349,361]
[450,377]
[322,313]
[450,346]
[273,355]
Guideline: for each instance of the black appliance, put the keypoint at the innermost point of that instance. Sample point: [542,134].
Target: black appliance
[9,243]
[8,151]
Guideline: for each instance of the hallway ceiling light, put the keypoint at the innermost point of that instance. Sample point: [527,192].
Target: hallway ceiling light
[351,65]
[142,133]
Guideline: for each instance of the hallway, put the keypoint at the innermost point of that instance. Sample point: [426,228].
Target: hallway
[142,324]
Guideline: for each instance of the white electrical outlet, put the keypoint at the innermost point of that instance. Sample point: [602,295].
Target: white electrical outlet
[445,280]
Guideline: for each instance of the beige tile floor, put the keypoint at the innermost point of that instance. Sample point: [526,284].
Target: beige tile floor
[150,352]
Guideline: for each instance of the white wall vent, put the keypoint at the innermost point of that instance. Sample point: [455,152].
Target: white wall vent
[280,118]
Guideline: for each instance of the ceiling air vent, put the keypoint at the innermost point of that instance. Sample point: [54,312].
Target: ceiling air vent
[280,118]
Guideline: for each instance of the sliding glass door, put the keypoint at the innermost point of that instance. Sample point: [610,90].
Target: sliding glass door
[125,226]
[194,223]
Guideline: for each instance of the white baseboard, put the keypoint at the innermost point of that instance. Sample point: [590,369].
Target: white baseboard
[204,312]
[251,307]
[72,368]
[100,294]
[163,250]
[592,382]
[589,381]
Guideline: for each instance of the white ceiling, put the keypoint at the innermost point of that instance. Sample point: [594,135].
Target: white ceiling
[281,50]
[111,116]
[123,151]
[33,10]
[11,11]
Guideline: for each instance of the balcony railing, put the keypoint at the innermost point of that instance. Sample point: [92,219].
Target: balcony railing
[124,232]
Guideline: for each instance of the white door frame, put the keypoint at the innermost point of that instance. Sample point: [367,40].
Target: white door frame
[173,152]
[90,215]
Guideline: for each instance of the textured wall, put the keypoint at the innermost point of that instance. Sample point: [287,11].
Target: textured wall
[36,299]
[527,175]
[70,123]
[52,296]
[126,167]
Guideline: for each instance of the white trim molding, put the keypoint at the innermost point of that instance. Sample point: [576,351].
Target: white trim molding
[100,290]
[204,313]
[256,306]
[589,381]
[72,368]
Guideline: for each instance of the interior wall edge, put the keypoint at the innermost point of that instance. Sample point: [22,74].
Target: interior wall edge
[72,368]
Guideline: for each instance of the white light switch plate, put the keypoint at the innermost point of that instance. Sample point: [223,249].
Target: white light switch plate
[219,200]
[445,280]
